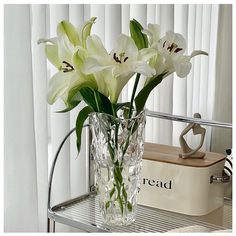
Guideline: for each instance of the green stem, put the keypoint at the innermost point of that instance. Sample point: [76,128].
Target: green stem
[133,94]
[113,107]
[96,100]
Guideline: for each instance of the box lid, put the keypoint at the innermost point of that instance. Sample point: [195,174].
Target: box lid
[170,154]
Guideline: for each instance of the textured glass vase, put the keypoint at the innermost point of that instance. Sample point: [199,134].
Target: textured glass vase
[117,149]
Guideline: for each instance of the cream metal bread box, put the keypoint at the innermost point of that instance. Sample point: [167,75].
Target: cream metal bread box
[180,185]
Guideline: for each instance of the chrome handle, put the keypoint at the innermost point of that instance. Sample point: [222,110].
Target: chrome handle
[220,178]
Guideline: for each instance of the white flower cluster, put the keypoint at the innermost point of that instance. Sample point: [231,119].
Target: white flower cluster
[82,60]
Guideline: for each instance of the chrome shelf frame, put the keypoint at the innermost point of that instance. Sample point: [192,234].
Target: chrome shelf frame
[184,119]
[57,213]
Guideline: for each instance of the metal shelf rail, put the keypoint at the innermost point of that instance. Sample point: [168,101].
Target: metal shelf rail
[83,212]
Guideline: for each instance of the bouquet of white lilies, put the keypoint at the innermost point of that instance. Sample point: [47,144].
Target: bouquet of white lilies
[87,72]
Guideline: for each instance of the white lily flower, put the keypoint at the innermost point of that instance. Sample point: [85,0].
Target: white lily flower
[171,48]
[120,65]
[67,54]
[169,52]
[153,31]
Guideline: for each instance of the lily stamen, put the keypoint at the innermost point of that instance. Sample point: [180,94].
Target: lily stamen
[116,58]
[178,49]
[164,44]
[125,59]
[68,67]
[172,46]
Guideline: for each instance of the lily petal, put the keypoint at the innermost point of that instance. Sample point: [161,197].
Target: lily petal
[86,30]
[76,81]
[127,45]
[198,52]
[95,46]
[58,85]
[183,68]
[165,44]
[51,51]
[153,32]
[177,39]
[122,70]
[116,84]
[146,53]
[51,40]
[100,79]
[143,68]
[92,65]
[65,49]
[79,57]
[66,28]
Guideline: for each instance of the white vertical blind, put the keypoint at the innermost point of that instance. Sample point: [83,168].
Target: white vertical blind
[151,18]
[207,89]
[98,10]
[155,106]
[204,74]
[166,87]
[20,194]
[61,186]
[112,24]
[180,84]
[223,80]
[197,60]
[212,72]
[191,47]
[39,75]
[78,171]
[125,18]
[138,12]
[61,181]
[76,14]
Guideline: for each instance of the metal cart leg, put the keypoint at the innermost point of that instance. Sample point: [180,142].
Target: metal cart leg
[51,226]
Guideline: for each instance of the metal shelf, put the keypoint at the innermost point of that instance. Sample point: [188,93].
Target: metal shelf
[83,213]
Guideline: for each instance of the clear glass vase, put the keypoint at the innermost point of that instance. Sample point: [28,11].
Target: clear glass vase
[117,148]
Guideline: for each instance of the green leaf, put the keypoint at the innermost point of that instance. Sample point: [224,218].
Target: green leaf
[121,206]
[104,103]
[129,206]
[82,116]
[118,175]
[112,192]
[96,100]
[124,193]
[139,38]
[74,95]
[122,105]
[89,98]
[107,205]
[142,96]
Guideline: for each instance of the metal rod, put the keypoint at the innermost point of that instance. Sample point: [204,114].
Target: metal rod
[53,166]
[51,226]
[168,116]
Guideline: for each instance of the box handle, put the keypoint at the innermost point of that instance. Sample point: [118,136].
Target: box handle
[220,178]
